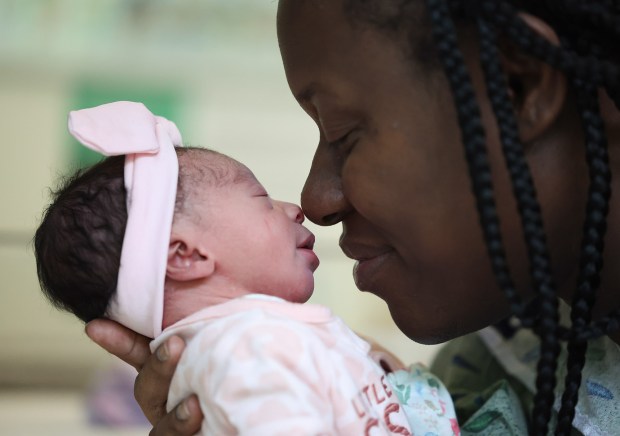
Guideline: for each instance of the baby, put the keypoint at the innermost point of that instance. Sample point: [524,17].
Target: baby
[184,241]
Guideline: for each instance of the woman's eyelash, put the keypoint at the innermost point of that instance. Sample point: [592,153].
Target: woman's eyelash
[340,142]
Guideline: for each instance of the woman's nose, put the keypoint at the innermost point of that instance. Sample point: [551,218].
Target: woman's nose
[322,198]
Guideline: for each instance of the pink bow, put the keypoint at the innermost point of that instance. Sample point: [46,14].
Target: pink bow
[151,172]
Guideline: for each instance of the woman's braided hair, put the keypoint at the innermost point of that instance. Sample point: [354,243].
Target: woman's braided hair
[588,33]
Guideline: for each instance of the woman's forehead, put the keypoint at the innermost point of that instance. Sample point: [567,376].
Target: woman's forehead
[300,22]
[315,43]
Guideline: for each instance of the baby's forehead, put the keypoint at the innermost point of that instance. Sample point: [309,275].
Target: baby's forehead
[244,174]
[205,166]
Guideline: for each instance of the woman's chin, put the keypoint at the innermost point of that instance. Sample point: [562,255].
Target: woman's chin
[428,328]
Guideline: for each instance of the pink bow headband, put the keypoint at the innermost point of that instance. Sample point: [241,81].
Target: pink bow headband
[151,171]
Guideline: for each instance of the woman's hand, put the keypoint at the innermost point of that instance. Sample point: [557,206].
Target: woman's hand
[154,375]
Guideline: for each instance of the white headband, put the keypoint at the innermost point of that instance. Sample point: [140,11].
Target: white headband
[151,172]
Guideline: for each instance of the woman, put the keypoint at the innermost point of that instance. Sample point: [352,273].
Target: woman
[437,119]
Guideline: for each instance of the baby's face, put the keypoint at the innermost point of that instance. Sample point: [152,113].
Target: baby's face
[257,241]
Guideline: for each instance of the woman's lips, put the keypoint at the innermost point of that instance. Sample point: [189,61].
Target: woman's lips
[366,271]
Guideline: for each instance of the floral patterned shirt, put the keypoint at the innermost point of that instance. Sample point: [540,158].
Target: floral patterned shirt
[491,378]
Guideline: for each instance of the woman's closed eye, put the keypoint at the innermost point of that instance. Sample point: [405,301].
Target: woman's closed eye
[339,129]
[344,144]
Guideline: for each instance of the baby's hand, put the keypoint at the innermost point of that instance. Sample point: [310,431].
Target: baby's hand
[154,375]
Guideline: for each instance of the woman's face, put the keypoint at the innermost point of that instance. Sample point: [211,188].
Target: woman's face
[390,166]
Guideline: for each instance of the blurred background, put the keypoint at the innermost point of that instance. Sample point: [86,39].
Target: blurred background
[213,67]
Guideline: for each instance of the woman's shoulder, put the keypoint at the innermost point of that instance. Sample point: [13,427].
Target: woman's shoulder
[476,366]
[472,375]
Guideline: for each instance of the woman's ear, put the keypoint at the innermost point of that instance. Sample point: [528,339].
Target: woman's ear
[538,91]
[187,262]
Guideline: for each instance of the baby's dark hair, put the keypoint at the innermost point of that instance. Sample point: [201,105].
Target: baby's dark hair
[589,33]
[79,241]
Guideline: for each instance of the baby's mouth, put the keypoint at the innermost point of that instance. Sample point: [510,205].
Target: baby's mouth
[307,243]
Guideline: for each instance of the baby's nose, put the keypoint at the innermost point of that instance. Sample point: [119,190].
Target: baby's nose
[293,211]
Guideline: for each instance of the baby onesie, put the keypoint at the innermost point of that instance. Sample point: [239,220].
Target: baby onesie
[264,366]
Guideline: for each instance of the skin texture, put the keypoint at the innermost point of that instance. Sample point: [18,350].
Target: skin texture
[398,181]
[235,240]
[389,166]
[231,239]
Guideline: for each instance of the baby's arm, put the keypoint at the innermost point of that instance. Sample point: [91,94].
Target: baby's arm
[263,380]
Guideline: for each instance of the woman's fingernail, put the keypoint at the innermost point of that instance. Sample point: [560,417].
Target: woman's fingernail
[182,411]
[162,353]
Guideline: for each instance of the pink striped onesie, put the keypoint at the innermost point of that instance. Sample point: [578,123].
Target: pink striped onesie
[264,366]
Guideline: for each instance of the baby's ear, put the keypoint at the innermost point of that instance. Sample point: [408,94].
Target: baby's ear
[187,262]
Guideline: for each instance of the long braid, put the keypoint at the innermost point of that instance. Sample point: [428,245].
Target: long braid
[592,248]
[473,139]
[531,217]
[594,228]
[589,31]
[608,324]
[603,73]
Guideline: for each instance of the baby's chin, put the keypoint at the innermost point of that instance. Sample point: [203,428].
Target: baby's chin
[306,297]
[299,295]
